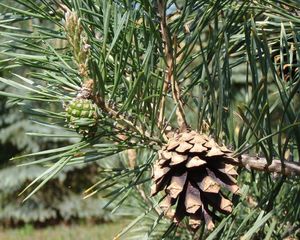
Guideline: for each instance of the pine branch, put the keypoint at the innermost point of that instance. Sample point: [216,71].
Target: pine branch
[81,52]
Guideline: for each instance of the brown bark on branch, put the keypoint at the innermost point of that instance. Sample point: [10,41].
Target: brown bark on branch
[284,167]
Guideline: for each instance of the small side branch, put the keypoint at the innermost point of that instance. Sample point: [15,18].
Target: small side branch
[170,71]
[286,168]
[122,121]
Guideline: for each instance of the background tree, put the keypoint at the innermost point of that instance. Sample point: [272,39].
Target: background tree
[151,80]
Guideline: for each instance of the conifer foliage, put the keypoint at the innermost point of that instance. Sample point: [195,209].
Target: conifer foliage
[196,92]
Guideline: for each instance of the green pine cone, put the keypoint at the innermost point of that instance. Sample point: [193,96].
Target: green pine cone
[82,115]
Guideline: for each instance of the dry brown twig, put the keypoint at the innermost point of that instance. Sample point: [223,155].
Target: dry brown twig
[170,78]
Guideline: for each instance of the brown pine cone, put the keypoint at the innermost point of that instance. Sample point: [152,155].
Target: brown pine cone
[192,169]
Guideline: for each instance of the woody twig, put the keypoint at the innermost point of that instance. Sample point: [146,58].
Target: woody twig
[283,167]
[170,77]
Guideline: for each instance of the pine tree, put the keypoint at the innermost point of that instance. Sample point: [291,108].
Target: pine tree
[193,102]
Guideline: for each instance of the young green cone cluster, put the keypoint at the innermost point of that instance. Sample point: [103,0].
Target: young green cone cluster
[191,170]
[82,113]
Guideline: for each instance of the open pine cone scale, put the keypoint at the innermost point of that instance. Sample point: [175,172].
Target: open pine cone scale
[192,169]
